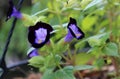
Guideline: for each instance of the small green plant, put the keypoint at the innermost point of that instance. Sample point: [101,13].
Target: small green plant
[70,36]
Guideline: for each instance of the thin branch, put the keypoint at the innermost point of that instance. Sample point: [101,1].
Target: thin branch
[2,61]
[10,35]
[18,64]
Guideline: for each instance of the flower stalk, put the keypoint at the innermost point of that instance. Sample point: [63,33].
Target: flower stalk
[2,61]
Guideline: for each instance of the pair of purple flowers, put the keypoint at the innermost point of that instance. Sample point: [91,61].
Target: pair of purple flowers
[39,34]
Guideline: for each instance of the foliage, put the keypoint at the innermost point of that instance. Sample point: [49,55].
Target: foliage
[93,18]
[99,20]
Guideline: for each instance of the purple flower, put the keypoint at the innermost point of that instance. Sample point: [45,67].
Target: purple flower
[68,37]
[12,11]
[32,52]
[39,34]
[73,31]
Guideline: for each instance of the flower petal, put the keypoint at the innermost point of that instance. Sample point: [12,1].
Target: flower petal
[16,13]
[68,37]
[39,34]
[12,11]
[32,52]
[45,25]
[75,30]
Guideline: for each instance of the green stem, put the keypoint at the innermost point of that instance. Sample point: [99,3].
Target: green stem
[56,61]
[69,54]
[59,18]
[39,12]
[65,58]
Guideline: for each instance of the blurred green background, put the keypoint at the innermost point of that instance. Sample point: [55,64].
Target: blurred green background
[93,17]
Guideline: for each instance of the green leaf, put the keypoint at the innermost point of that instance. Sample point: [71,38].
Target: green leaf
[95,51]
[80,44]
[83,58]
[88,22]
[39,12]
[48,74]
[35,7]
[49,61]
[100,63]
[57,58]
[93,42]
[65,73]
[37,61]
[93,3]
[28,20]
[83,67]
[98,40]
[84,3]
[43,69]
[104,37]
[59,47]
[110,49]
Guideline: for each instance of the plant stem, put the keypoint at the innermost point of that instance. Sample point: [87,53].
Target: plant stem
[69,54]
[8,40]
[65,58]
[39,12]
[2,61]
[80,75]
[11,32]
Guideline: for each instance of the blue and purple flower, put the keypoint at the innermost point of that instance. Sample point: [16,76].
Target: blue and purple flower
[32,52]
[73,31]
[39,34]
[12,11]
